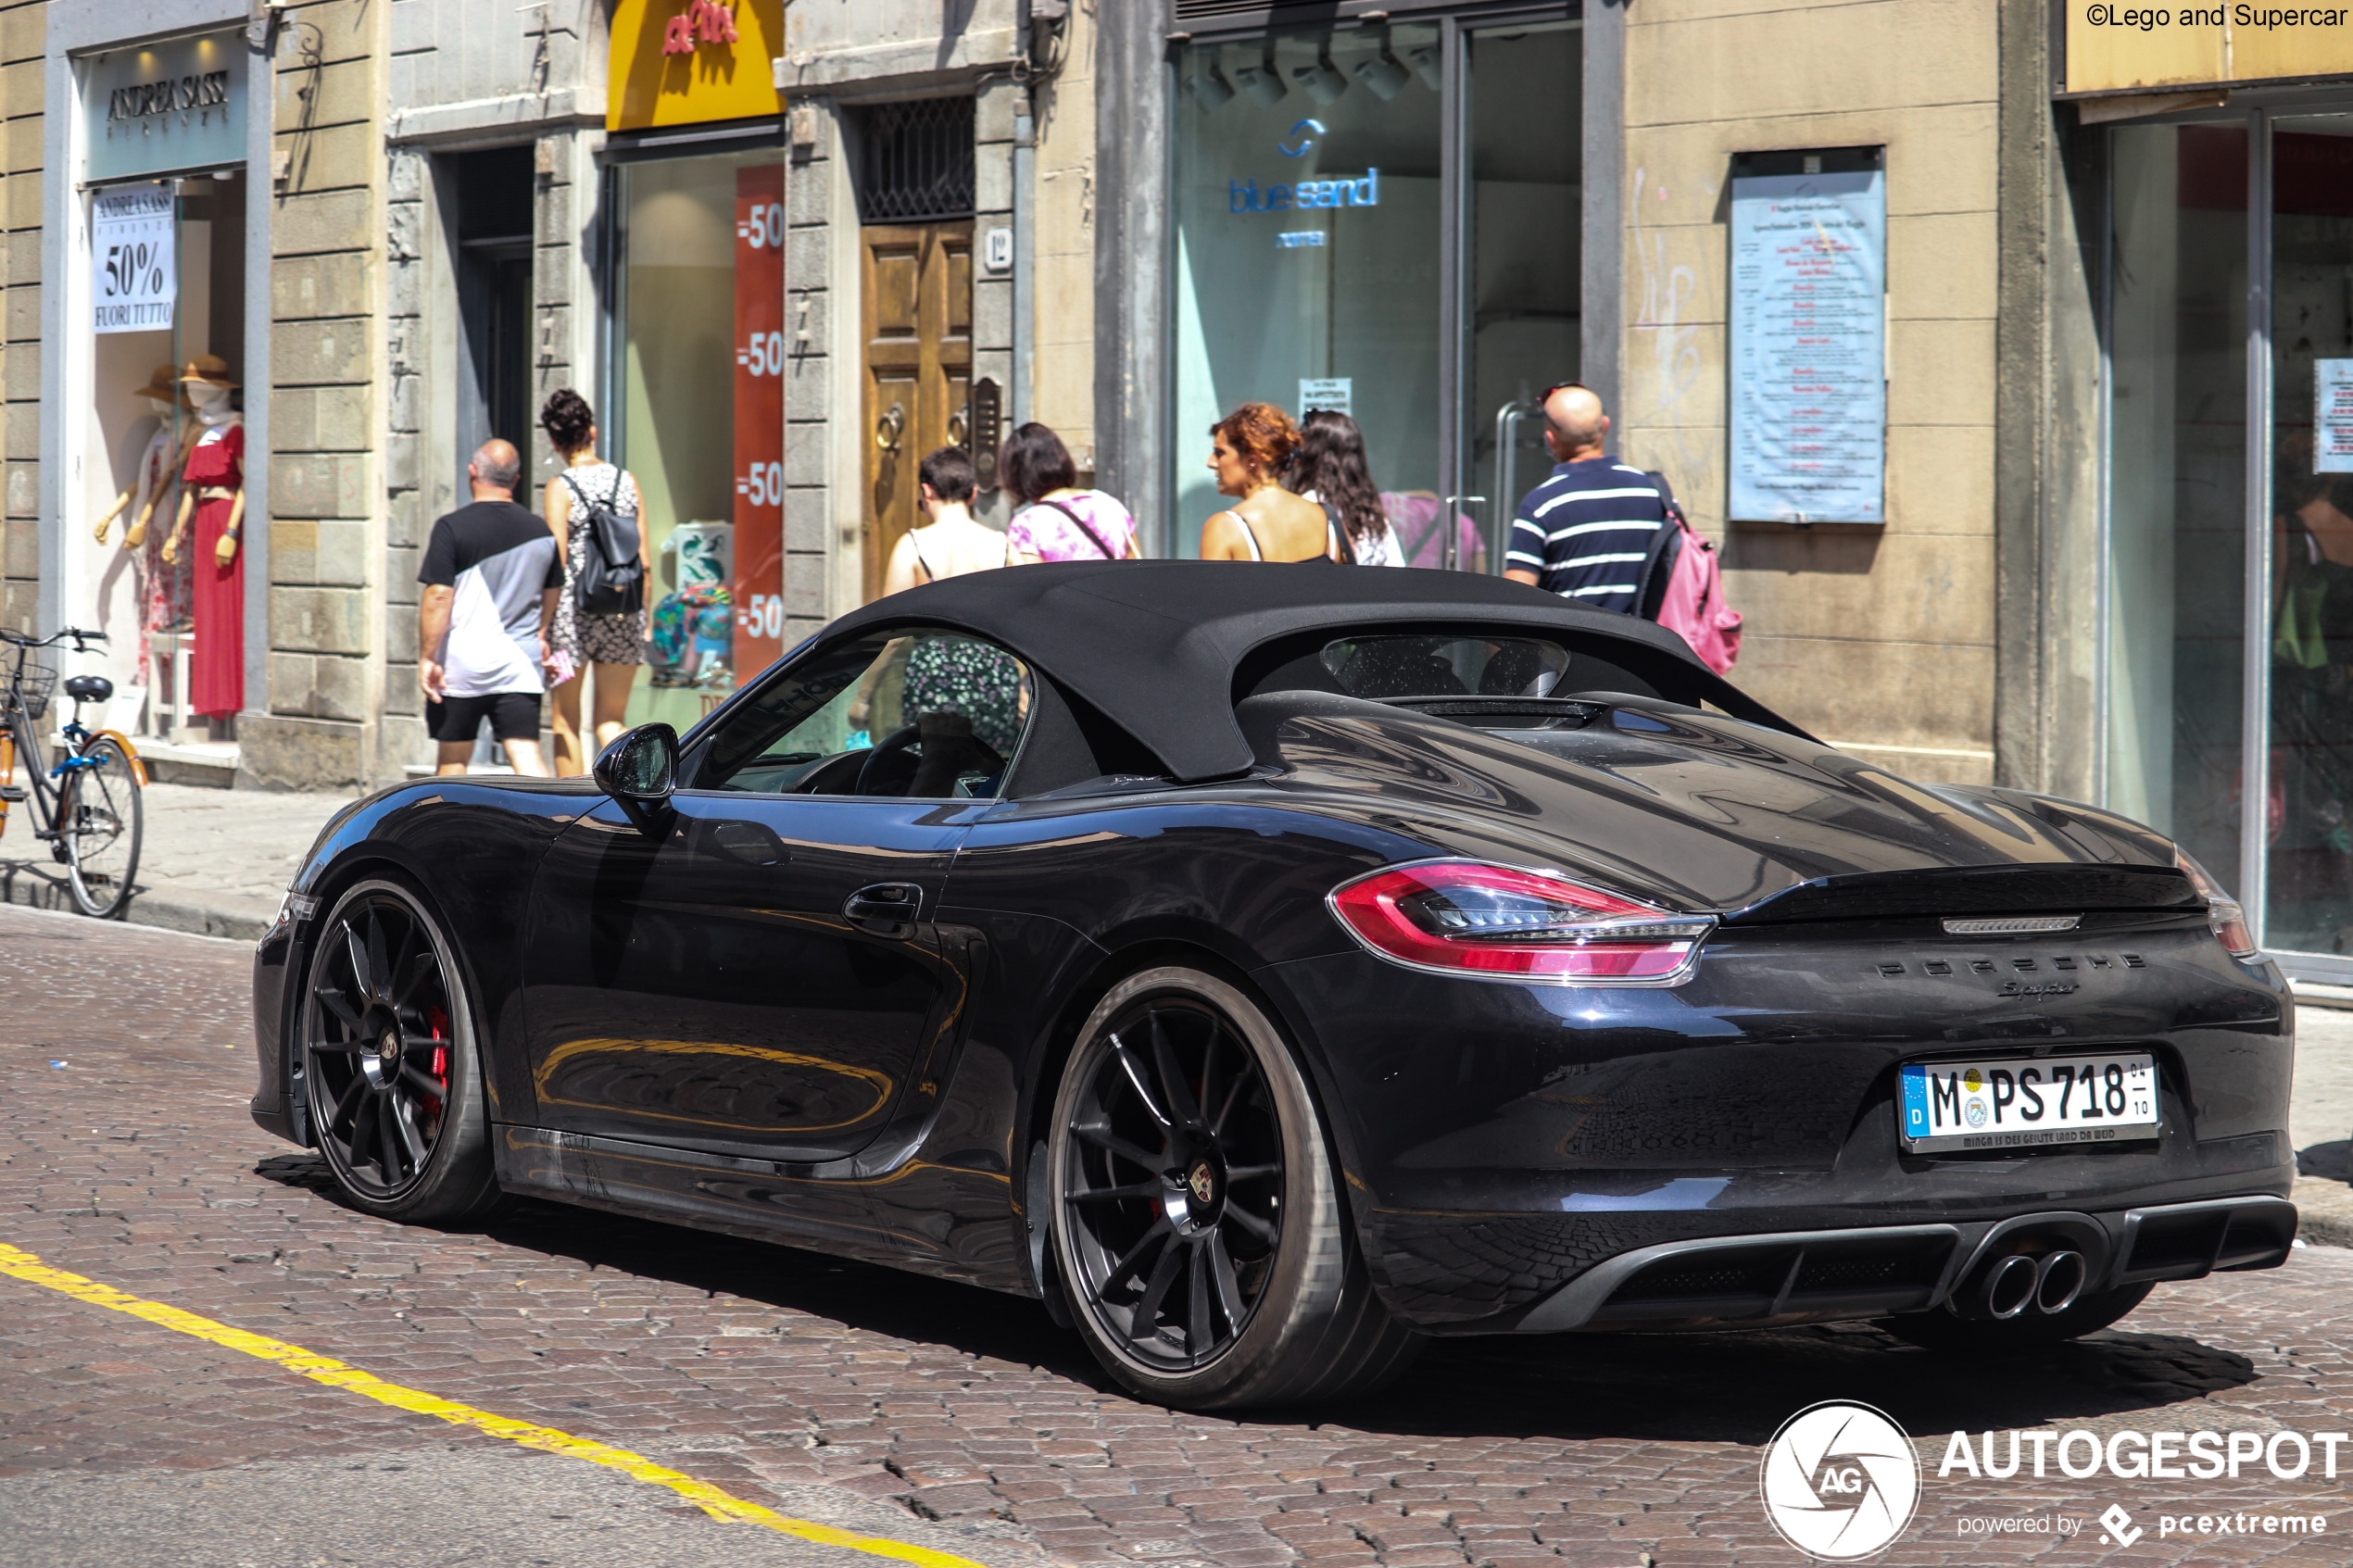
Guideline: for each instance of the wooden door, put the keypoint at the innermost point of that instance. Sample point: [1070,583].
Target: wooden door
[916,299]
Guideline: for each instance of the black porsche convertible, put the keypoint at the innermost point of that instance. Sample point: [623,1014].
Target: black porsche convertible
[1270,967]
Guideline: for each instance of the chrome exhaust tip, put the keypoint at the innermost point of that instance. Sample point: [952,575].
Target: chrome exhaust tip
[2008,1288]
[2058,1280]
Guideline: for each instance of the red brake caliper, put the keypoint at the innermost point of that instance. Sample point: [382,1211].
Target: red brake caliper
[438,1019]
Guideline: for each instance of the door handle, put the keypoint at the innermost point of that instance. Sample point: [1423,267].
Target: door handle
[885,909]
[888,428]
[1453,535]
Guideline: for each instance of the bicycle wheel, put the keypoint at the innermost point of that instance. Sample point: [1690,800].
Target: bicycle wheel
[98,816]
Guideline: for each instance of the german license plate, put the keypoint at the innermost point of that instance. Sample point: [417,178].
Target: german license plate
[2027,1103]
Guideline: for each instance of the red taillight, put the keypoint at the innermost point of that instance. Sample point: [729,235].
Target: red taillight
[2223,913]
[1497,923]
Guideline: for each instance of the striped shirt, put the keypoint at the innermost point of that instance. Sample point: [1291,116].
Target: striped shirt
[1586,530]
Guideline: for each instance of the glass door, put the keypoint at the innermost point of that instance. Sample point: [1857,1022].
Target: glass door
[1526,156]
[2308,882]
[2177,518]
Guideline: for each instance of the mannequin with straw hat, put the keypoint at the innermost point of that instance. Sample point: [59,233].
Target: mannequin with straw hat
[212,496]
[205,384]
[159,466]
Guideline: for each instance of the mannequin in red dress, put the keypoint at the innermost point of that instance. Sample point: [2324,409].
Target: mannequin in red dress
[212,489]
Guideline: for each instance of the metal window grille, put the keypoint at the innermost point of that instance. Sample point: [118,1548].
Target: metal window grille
[915,162]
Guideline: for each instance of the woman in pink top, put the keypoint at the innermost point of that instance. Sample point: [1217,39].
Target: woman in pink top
[1053,519]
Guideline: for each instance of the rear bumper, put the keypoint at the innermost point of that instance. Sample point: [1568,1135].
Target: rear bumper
[1501,1142]
[1804,1276]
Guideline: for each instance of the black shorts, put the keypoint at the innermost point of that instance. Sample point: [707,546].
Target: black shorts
[512,715]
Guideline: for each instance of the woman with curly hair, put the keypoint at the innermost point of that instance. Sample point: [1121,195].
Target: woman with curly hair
[1248,450]
[1330,471]
[613,645]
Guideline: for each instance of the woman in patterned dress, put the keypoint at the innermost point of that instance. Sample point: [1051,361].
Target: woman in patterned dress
[612,646]
[953,687]
[1053,518]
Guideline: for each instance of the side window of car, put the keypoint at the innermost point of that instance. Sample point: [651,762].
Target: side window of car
[922,714]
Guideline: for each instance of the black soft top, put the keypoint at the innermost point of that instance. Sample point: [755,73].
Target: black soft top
[1164,649]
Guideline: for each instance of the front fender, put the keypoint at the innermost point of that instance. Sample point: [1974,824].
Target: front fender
[472,846]
[130,752]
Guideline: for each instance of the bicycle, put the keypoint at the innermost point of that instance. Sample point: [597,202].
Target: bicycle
[87,808]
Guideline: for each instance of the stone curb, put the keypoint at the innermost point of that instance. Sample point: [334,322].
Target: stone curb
[35,887]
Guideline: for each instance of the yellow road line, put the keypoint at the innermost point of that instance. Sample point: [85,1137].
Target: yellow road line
[17,1264]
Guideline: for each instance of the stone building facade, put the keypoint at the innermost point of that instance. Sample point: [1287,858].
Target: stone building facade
[24,42]
[2110,316]
[438,235]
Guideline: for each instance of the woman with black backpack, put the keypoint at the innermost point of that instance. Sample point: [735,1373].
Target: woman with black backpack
[600,619]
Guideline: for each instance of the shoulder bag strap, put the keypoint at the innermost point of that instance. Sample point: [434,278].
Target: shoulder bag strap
[1344,548]
[1658,563]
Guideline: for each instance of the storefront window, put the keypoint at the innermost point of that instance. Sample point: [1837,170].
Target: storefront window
[2177,485]
[1316,221]
[2308,887]
[699,307]
[165,369]
[1307,246]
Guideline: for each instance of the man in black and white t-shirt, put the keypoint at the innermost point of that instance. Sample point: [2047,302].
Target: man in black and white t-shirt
[1589,531]
[491,575]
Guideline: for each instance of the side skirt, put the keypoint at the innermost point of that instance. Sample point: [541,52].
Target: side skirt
[943,1220]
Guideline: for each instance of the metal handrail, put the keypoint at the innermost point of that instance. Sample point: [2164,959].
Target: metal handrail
[1507,419]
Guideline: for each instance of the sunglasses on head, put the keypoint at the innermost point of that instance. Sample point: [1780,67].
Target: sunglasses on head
[1546,395]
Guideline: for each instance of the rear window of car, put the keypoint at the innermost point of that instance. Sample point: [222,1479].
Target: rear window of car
[1395,665]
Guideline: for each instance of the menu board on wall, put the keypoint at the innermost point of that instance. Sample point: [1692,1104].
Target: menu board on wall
[2333,415]
[759,418]
[1808,347]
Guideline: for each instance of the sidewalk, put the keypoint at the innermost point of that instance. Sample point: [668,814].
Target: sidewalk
[214,861]
[2320,1121]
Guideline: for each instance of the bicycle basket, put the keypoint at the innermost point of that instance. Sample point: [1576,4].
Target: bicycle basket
[39,682]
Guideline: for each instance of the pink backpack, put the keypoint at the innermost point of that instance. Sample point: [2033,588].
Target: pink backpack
[1693,605]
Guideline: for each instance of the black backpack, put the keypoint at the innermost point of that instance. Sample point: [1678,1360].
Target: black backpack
[613,578]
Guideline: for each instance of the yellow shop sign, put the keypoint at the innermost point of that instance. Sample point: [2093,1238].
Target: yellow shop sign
[2127,46]
[683,62]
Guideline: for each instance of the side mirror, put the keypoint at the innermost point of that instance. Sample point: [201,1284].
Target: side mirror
[639,770]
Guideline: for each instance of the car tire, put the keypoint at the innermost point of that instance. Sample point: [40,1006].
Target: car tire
[1946,1333]
[1215,1269]
[388,1060]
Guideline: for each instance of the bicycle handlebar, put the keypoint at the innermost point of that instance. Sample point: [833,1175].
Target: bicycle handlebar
[80,638]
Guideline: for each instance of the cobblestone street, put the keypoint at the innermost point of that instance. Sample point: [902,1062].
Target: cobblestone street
[892,1404]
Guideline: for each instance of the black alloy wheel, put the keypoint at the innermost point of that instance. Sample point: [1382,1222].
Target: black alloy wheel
[99,820]
[1198,1227]
[1176,1195]
[388,1064]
